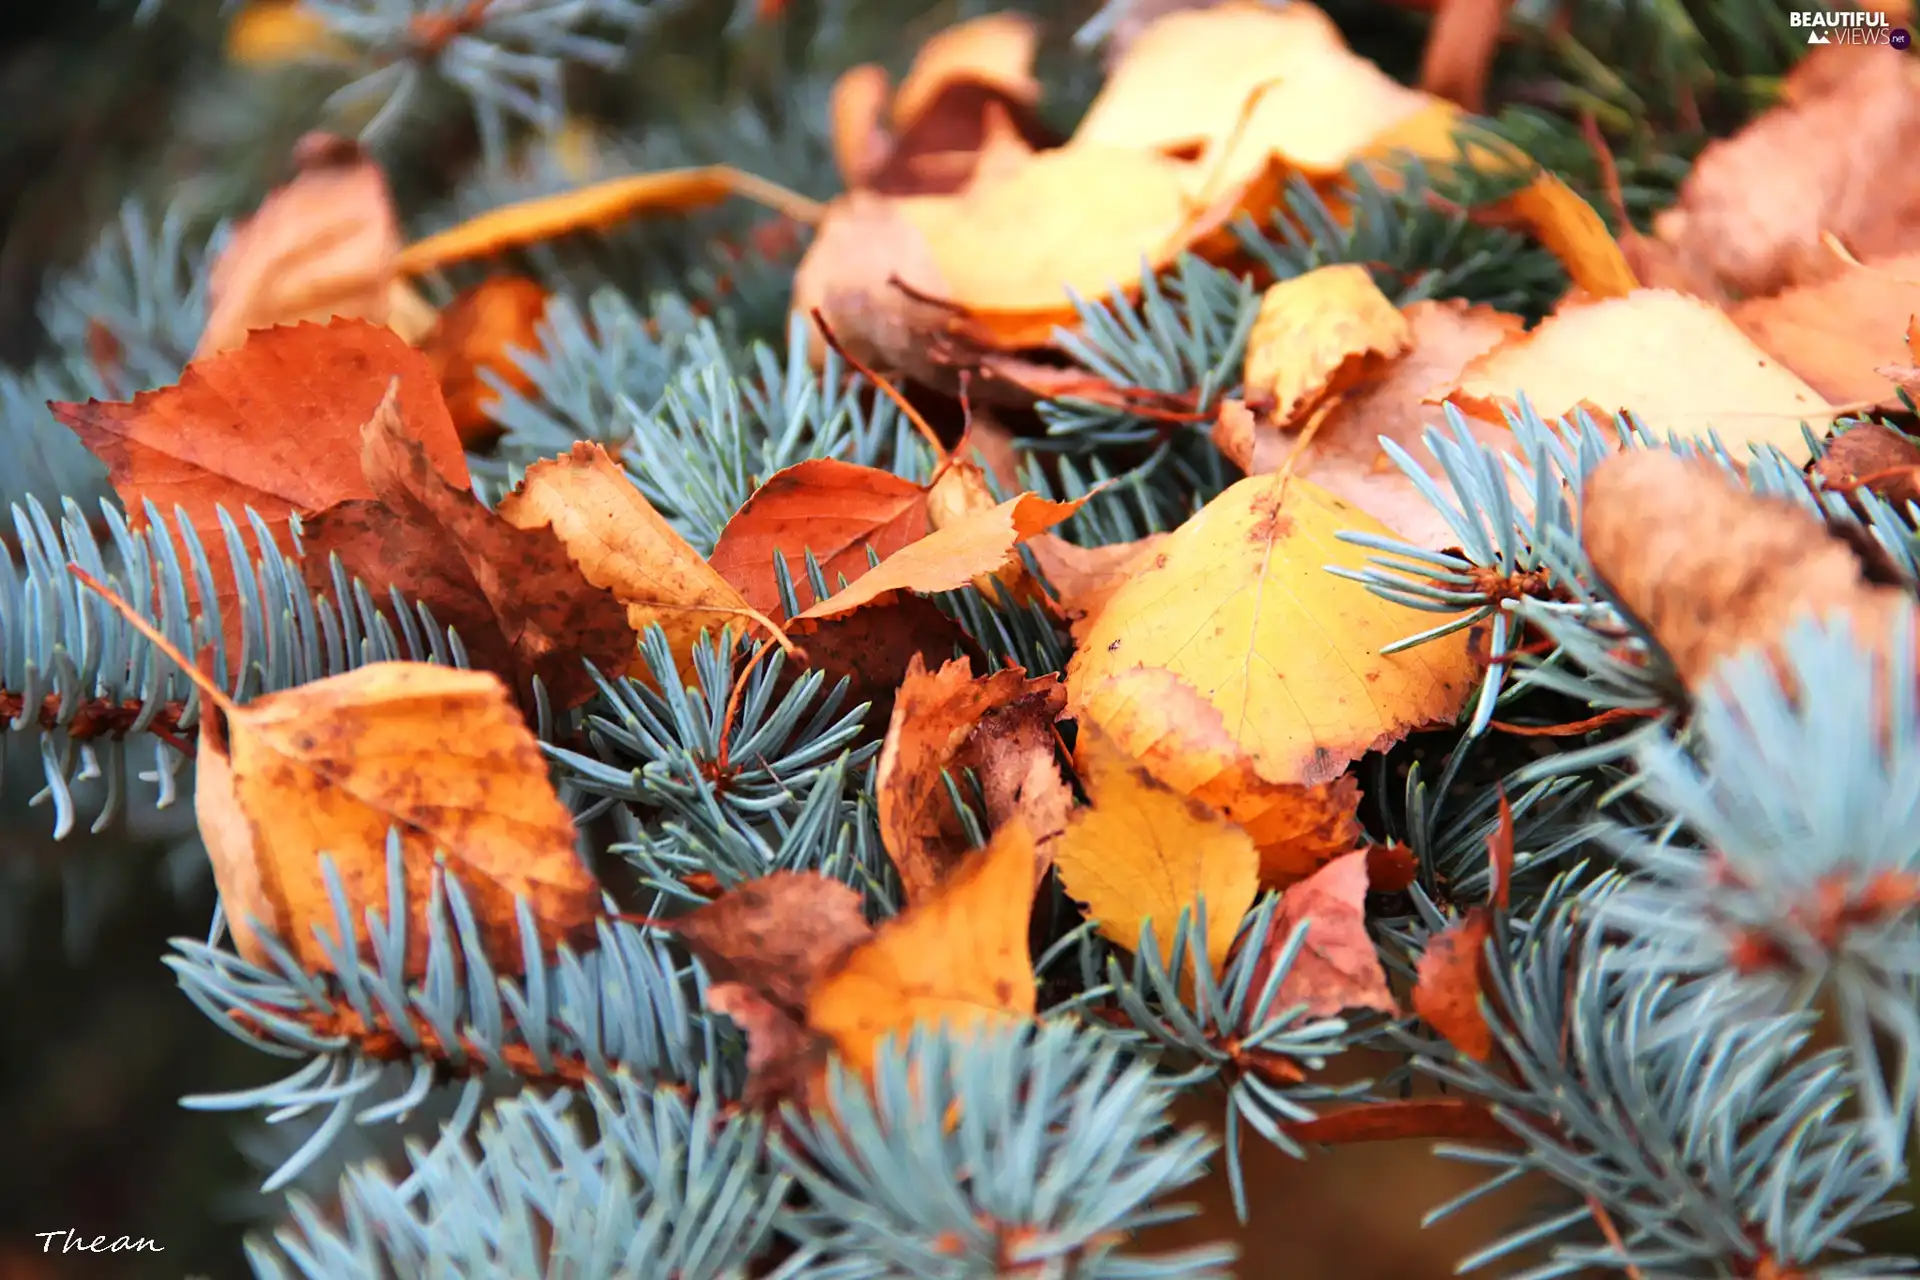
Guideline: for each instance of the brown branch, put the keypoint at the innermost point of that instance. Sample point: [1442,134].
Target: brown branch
[103,718]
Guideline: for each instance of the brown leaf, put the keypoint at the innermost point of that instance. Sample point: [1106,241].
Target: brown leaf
[1839,144]
[1677,361]
[873,648]
[1718,569]
[437,753]
[1182,740]
[1500,857]
[777,934]
[322,246]
[1391,868]
[1837,333]
[1461,1119]
[274,425]
[1874,456]
[519,603]
[1337,967]
[1345,456]
[1449,980]
[477,333]
[1000,726]
[1084,578]
[834,509]
[622,545]
[1460,48]
[950,558]
[783,1057]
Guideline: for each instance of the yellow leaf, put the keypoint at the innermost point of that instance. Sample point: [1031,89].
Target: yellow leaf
[270,31]
[1317,335]
[622,545]
[1238,602]
[599,205]
[960,957]
[1677,362]
[1573,231]
[1140,853]
[995,51]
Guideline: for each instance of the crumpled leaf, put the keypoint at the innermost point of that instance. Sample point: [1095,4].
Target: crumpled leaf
[477,334]
[999,727]
[1243,609]
[1839,143]
[1872,455]
[959,958]
[949,558]
[1316,336]
[521,605]
[837,510]
[1337,967]
[437,753]
[320,247]
[1678,362]
[1344,456]
[1712,569]
[1140,853]
[622,545]
[873,647]
[1840,332]
[1179,737]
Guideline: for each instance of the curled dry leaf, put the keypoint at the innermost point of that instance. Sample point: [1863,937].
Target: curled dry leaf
[1316,336]
[1839,143]
[477,333]
[1140,853]
[958,958]
[995,52]
[1712,569]
[1242,608]
[1571,229]
[273,426]
[1337,967]
[322,246]
[950,558]
[1841,332]
[1179,737]
[519,602]
[1345,455]
[999,727]
[438,754]
[1872,456]
[836,510]
[1448,983]
[622,545]
[1677,362]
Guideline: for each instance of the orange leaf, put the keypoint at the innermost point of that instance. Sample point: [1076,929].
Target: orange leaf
[1449,981]
[858,139]
[1317,335]
[438,753]
[999,727]
[995,52]
[1460,50]
[477,333]
[320,247]
[950,558]
[594,207]
[622,545]
[1391,868]
[834,509]
[1140,853]
[520,605]
[958,958]
[1085,578]
[1337,966]
[1571,230]
[1183,742]
[1840,333]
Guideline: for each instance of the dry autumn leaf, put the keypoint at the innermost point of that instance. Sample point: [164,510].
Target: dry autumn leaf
[1677,362]
[1571,229]
[322,246]
[950,558]
[1871,455]
[1243,608]
[958,958]
[1085,578]
[437,754]
[1344,455]
[1316,336]
[1721,570]
[1180,738]
[1460,48]
[520,604]
[873,647]
[477,334]
[999,728]
[1448,983]
[995,51]
[623,546]
[1840,332]
[1337,967]
[835,510]
[1139,854]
